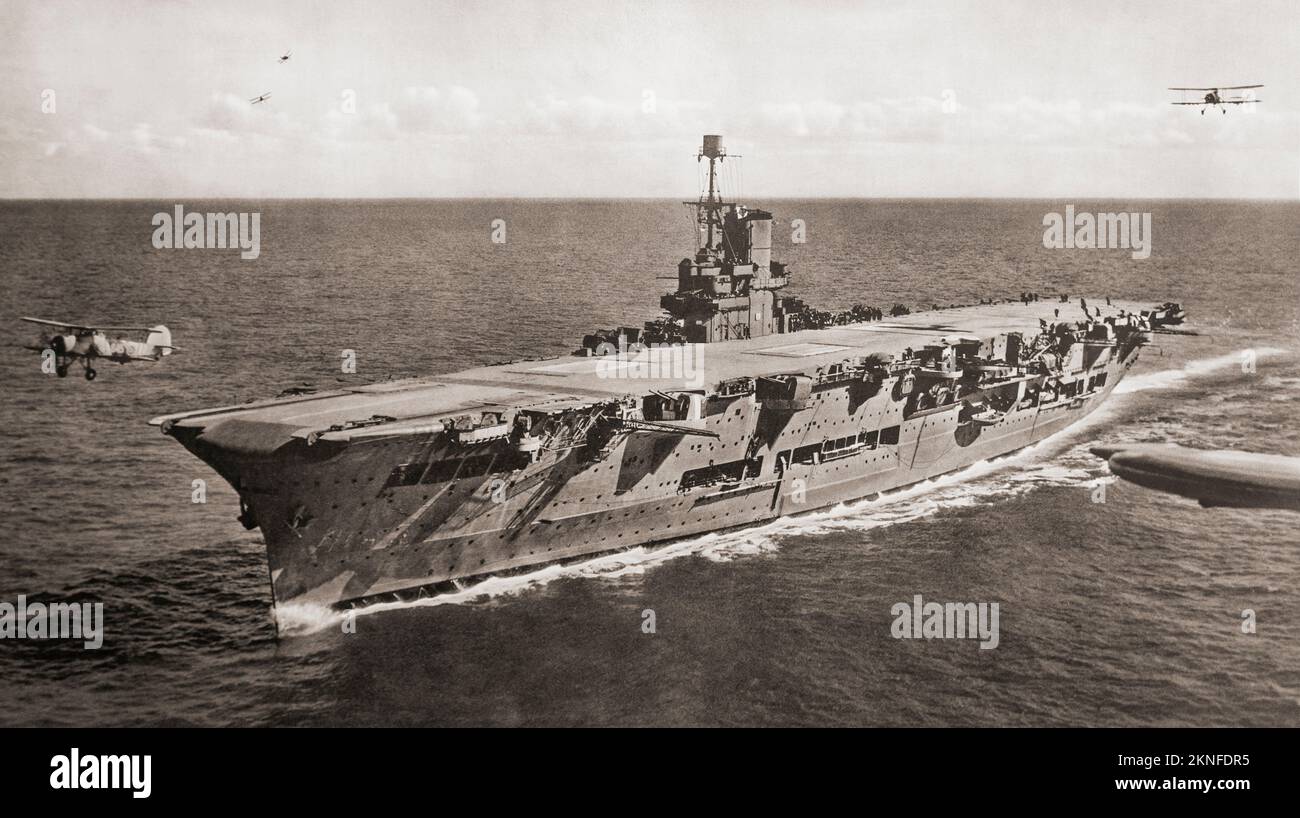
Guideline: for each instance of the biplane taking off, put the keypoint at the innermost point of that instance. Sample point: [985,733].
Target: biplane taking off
[1213,97]
[74,341]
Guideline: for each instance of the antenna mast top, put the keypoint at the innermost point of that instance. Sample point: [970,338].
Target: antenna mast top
[713,149]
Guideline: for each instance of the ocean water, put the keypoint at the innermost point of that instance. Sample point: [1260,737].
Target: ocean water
[1126,612]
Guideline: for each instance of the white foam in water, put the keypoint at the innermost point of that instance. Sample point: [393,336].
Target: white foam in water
[984,480]
[302,619]
[1168,378]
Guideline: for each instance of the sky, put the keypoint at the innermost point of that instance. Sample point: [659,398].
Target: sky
[551,98]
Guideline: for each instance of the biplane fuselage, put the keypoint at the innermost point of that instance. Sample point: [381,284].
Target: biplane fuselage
[69,342]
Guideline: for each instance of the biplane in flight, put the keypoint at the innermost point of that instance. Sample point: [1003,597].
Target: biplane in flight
[1213,97]
[75,341]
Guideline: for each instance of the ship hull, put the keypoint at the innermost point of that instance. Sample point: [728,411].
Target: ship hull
[348,521]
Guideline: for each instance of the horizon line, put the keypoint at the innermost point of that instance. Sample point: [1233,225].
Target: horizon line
[786,197]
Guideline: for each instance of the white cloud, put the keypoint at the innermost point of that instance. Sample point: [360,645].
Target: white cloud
[146,141]
[430,110]
[282,147]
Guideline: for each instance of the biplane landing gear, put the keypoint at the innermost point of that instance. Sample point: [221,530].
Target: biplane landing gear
[90,373]
[61,370]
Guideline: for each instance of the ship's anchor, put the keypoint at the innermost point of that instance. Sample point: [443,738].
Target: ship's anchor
[246,518]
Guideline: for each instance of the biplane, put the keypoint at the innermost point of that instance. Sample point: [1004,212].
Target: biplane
[260,98]
[284,58]
[1213,97]
[75,341]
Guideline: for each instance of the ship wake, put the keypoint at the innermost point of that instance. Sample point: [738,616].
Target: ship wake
[1173,378]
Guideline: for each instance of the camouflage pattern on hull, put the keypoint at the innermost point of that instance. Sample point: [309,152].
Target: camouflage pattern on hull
[388,488]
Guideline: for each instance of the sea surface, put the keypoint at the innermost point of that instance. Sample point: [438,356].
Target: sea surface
[1122,612]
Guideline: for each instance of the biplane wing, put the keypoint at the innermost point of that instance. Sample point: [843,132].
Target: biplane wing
[1219,88]
[82,327]
[1227,477]
[1221,102]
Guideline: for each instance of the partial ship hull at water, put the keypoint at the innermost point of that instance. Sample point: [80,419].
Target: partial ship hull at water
[738,407]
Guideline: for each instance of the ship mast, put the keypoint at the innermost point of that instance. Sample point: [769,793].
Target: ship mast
[709,207]
[729,289]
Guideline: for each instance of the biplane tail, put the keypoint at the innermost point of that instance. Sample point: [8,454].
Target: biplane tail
[160,340]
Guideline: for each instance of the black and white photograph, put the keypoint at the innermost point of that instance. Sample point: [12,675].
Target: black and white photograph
[545,363]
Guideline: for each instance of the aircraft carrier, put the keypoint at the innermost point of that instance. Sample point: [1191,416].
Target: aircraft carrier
[739,406]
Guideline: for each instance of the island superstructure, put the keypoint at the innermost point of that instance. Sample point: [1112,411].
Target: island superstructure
[722,414]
